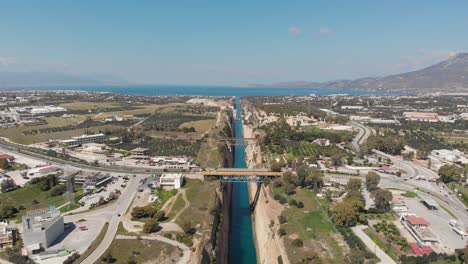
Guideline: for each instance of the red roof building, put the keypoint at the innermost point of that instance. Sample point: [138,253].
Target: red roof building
[416,221]
[419,251]
[6,156]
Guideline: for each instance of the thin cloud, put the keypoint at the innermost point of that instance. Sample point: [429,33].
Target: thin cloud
[294,31]
[324,30]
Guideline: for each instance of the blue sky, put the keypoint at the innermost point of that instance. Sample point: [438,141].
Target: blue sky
[230,42]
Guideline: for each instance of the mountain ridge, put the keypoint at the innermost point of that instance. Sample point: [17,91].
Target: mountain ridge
[450,75]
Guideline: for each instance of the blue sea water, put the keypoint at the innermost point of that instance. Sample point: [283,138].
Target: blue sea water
[199,90]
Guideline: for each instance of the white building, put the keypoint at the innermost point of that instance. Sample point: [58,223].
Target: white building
[171,179]
[84,139]
[47,109]
[352,107]
[451,156]
[44,171]
[41,228]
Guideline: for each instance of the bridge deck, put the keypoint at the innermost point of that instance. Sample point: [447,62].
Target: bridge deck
[241,172]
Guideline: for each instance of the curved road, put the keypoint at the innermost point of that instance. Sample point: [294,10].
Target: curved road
[122,205]
[362,136]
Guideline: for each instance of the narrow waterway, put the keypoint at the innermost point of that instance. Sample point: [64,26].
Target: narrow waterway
[241,243]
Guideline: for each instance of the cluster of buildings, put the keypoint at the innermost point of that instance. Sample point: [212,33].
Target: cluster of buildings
[91,181]
[418,227]
[428,117]
[27,114]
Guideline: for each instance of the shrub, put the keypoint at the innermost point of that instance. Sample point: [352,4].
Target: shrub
[186,239]
[282,200]
[300,205]
[282,219]
[281,232]
[298,242]
[151,226]
[293,202]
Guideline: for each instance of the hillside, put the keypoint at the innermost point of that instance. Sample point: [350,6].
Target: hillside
[450,75]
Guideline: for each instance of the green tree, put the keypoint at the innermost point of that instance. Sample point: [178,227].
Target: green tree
[382,199]
[4,164]
[151,226]
[276,166]
[347,213]
[314,179]
[8,185]
[450,173]
[354,184]
[372,180]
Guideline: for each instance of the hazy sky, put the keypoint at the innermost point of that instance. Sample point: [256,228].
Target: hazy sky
[230,42]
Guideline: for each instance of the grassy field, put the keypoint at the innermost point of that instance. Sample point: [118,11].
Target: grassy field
[178,205]
[139,251]
[25,195]
[202,200]
[89,105]
[312,226]
[381,244]
[142,109]
[201,126]
[16,135]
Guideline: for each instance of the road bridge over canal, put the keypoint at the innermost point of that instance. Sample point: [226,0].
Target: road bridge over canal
[229,175]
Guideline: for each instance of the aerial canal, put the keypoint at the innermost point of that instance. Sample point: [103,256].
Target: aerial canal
[241,242]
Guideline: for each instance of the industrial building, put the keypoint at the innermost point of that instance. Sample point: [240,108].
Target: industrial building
[41,228]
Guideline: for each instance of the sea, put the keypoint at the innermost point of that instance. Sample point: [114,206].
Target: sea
[201,90]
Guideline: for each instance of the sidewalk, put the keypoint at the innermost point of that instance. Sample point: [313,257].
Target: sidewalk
[384,258]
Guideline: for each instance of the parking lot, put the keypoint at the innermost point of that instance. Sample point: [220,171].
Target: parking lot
[439,224]
[76,239]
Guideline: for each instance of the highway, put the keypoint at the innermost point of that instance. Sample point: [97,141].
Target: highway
[414,170]
[26,150]
[123,203]
[362,136]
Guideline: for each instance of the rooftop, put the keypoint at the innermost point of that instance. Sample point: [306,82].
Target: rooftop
[414,220]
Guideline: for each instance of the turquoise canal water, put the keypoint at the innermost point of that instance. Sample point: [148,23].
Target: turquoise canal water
[241,242]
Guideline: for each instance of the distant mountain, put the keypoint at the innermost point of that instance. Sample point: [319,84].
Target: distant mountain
[450,75]
[37,79]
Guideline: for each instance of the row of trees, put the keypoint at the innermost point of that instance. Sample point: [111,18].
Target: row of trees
[350,211]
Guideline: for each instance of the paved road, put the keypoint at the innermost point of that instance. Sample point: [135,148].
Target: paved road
[363,134]
[26,151]
[384,258]
[414,170]
[122,205]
